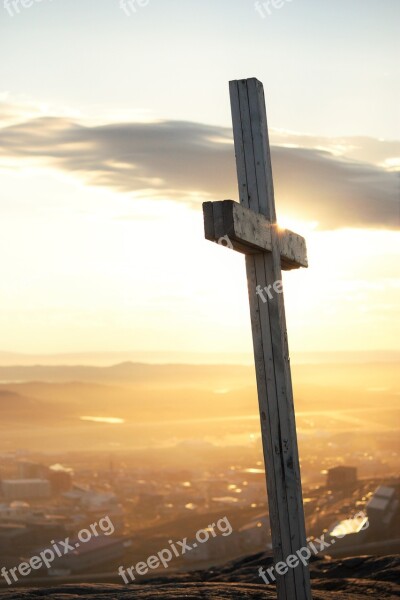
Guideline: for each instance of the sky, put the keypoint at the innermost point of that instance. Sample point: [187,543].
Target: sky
[115,127]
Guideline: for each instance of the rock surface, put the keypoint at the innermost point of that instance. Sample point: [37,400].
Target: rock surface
[347,579]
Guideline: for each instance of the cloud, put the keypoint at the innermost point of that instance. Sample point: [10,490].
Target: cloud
[315,179]
[361,148]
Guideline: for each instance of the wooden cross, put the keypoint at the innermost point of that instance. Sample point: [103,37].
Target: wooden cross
[250,227]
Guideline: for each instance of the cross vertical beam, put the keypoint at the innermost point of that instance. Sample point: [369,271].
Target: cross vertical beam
[271,354]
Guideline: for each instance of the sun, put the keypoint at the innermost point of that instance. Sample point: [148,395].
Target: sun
[296,225]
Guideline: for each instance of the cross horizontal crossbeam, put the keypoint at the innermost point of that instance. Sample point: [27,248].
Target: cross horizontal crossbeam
[250,232]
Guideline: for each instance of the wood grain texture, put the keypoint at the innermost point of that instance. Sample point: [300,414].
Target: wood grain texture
[250,232]
[293,250]
[270,340]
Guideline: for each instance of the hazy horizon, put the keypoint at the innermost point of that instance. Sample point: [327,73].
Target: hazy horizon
[114,358]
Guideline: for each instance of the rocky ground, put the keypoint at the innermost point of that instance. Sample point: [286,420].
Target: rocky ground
[347,579]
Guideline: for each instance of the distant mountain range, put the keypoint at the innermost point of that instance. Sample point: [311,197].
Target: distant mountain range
[102,359]
[166,401]
[17,408]
[127,372]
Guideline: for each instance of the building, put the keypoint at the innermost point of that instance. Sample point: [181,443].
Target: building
[94,505]
[341,477]
[60,479]
[76,495]
[382,507]
[25,489]
[30,470]
[15,512]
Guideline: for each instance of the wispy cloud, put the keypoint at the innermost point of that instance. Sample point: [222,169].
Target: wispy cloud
[336,182]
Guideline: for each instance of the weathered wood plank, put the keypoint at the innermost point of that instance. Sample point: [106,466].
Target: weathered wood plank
[292,249]
[270,340]
[278,335]
[250,232]
[208,216]
[263,353]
